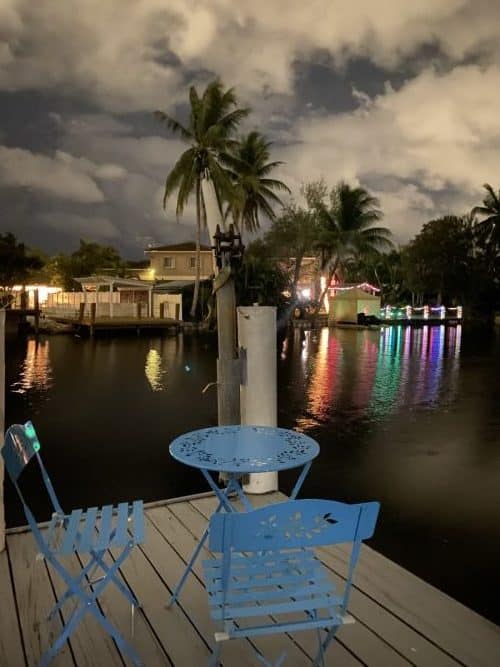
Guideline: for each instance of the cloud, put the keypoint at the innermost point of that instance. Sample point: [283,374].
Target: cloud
[136,55]
[88,227]
[61,175]
[437,132]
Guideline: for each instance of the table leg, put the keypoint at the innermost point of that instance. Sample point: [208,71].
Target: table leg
[300,481]
[223,504]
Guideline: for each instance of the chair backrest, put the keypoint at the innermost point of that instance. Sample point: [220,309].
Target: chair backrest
[21,444]
[293,524]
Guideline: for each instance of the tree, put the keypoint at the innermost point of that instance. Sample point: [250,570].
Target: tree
[90,258]
[440,262]
[213,119]
[346,226]
[254,192]
[292,235]
[488,229]
[260,279]
[16,261]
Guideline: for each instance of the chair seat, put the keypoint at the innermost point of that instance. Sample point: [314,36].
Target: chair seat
[277,583]
[97,529]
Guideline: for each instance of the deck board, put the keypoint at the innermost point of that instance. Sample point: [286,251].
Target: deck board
[11,649]
[400,620]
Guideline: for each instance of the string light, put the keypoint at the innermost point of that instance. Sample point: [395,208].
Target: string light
[390,311]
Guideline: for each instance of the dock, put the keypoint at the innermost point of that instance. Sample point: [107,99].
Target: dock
[400,619]
[88,326]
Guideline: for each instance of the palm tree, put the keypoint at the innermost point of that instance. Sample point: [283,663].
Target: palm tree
[213,120]
[347,228]
[488,229]
[254,190]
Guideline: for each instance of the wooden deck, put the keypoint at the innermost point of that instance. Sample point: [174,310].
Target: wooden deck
[400,620]
[119,323]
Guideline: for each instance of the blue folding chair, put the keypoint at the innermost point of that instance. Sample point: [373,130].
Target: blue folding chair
[90,531]
[268,568]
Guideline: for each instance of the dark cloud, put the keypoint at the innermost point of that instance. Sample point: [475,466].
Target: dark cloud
[403,101]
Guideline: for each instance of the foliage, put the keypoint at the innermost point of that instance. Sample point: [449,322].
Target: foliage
[346,226]
[16,261]
[445,263]
[254,191]
[90,258]
[260,279]
[292,236]
[213,119]
[487,230]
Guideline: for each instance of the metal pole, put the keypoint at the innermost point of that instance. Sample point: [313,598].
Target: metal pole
[2,425]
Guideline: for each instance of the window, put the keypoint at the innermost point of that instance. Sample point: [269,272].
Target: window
[192,262]
[169,263]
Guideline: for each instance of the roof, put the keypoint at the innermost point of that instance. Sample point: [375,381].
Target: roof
[188,246]
[355,293]
[98,281]
[172,285]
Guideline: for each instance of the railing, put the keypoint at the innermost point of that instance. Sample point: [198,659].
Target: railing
[421,312]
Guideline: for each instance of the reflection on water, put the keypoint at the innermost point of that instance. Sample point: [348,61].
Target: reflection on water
[408,416]
[371,373]
[35,372]
[154,371]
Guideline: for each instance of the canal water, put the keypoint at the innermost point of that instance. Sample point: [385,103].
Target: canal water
[406,416]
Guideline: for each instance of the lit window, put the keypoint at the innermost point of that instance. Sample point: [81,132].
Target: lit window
[192,262]
[169,263]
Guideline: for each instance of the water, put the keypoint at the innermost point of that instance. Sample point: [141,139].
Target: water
[406,416]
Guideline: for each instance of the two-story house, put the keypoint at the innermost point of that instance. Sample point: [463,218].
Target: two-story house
[178,262]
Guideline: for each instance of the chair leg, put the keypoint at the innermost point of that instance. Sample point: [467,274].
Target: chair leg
[214,659]
[319,660]
[188,569]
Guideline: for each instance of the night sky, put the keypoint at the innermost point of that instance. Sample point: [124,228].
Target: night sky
[401,97]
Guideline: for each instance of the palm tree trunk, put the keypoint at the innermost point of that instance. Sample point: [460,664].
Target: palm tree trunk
[331,273]
[196,292]
[296,274]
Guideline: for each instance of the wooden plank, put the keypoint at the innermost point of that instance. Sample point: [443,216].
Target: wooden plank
[179,640]
[304,643]
[35,599]
[11,648]
[467,636]
[376,631]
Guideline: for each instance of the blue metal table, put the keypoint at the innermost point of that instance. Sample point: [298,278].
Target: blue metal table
[238,451]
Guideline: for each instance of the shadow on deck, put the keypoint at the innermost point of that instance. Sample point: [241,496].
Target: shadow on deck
[400,619]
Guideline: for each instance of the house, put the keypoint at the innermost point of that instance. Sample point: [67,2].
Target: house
[347,301]
[178,262]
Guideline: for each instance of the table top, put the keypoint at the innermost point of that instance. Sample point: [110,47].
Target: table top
[244,449]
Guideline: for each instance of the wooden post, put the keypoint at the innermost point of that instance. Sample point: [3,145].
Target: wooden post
[93,308]
[24,299]
[36,303]
[228,364]
[2,425]
[111,299]
[162,310]
[81,312]
[138,310]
